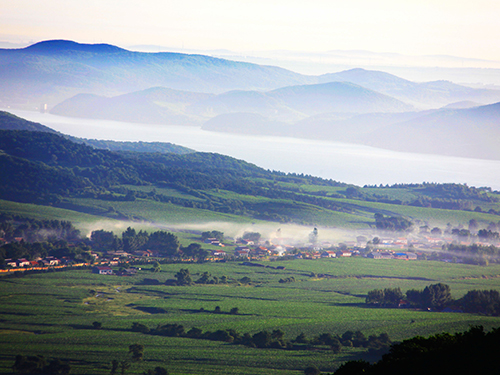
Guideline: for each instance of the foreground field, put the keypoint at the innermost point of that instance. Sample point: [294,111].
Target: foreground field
[51,314]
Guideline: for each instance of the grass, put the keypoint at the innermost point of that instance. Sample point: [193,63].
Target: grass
[46,212]
[52,313]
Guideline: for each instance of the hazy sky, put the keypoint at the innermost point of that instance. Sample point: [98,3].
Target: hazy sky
[422,27]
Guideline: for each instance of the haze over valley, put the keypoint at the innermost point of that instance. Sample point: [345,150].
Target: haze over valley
[249,187]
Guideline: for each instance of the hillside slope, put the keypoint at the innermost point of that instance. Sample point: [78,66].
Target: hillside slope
[49,169]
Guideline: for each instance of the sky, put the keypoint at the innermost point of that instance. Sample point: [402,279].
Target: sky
[467,29]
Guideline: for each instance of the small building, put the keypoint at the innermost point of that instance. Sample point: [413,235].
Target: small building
[344,253]
[380,255]
[102,270]
[218,253]
[52,261]
[10,262]
[23,262]
[328,254]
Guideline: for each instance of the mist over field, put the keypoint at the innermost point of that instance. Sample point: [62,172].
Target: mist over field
[249,187]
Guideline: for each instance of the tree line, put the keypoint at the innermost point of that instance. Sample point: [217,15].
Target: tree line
[273,339]
[438,297]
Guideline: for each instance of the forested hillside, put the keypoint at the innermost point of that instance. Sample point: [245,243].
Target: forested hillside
[45,168]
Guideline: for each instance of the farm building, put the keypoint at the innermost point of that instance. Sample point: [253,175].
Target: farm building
[102,270]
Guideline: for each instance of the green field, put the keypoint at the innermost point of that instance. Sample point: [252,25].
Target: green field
[52,313]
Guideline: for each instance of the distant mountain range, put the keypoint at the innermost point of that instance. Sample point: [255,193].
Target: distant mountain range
[107,82]
[51,71]
[166,106]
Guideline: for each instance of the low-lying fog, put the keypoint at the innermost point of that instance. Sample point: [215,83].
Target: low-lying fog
[356,164]
[289,234]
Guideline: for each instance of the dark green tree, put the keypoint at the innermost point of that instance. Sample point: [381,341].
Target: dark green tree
[436,296]
[137,351]
[114,366]
[183,277]
[165,243]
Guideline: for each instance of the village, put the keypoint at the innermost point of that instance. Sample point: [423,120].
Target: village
[251,247]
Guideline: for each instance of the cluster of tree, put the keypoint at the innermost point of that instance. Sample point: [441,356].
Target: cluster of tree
[165,243]
[445,196]
[286,280]
[184,278]
[471,254]
[392,223]
[33,230]
[388,297]
[219,236]
[485,302]
[447,190]
[251,236]
[31,251]
[42,238]
[274,339]
[38,364]
[470,352]
[438,296]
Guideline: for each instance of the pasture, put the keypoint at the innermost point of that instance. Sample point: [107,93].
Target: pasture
[51,313]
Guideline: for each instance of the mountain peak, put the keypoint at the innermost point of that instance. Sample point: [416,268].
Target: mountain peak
[68,45]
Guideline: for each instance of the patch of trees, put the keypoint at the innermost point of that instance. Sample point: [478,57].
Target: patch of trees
[486,302]
[166,244]
[273,339]
[31,251]
[287,280]
[38,364]
[184,278]
[438,297]
[251,236]
[392,223]
[33,230]
[444,196]
[219,236]
[473,254]
[389,297]
[470,352]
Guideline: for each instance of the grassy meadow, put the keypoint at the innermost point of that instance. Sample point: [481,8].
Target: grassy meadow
[51,313]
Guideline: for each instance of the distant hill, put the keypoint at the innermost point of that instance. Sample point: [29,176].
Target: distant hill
[49,169]
[471,132]
[340,97]
[157,105]
[424,95]
[166,106]
[55,70]
[8,121]
[139,146]
[462,104]
[466,132]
